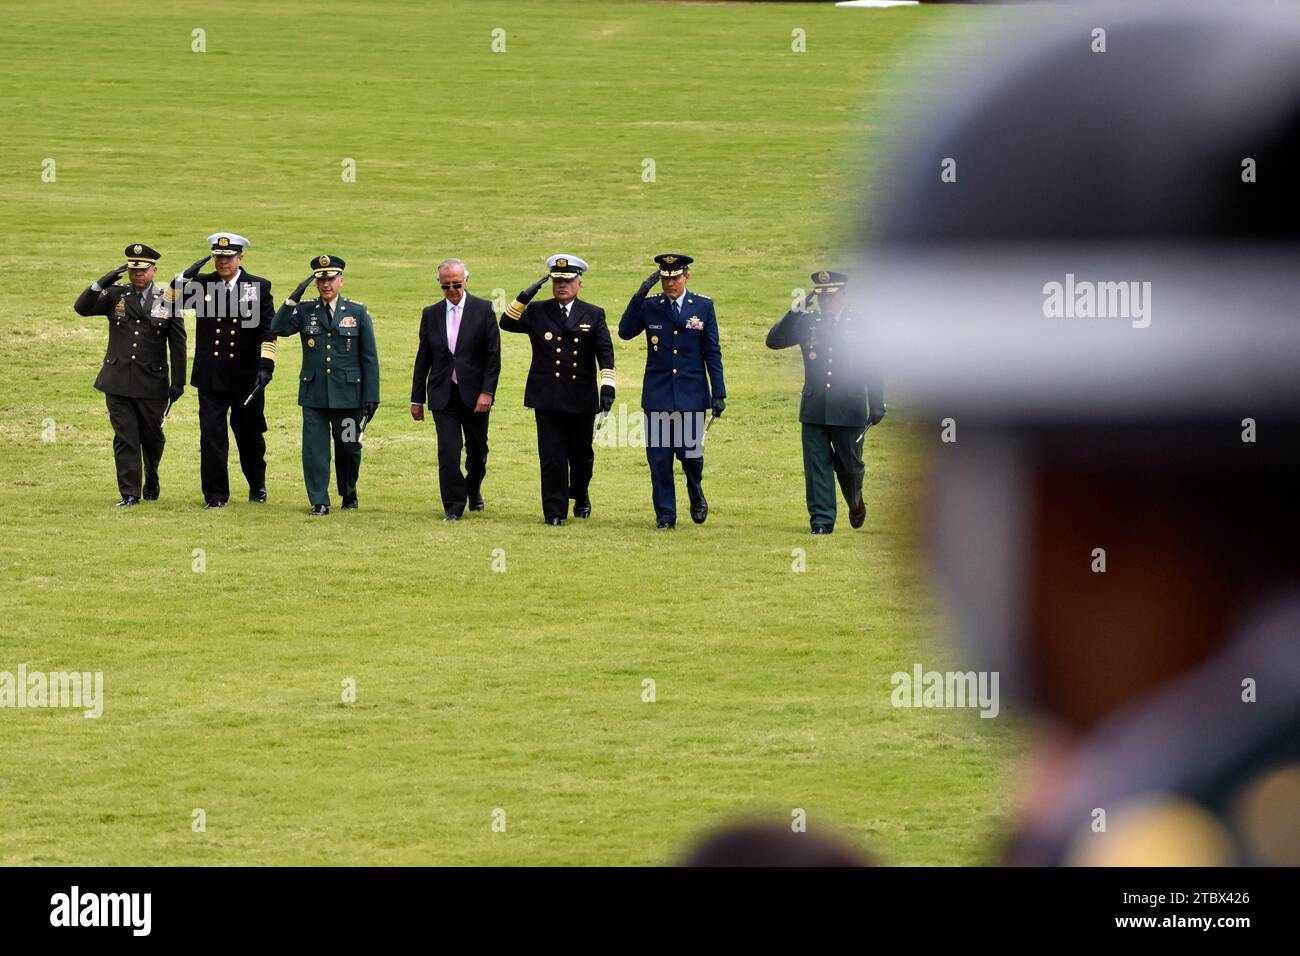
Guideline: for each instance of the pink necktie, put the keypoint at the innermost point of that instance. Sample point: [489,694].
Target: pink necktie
[451,339]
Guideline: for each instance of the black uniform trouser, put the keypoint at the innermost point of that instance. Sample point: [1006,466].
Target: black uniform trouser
[670,435]
[564,447]
[248,422]
[318,425]
[137,433]
[831,453]
[459,426]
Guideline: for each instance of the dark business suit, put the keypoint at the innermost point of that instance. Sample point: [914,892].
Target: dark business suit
[477,366]
[135,375]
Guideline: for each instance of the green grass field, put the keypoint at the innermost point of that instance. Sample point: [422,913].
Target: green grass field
[476,690]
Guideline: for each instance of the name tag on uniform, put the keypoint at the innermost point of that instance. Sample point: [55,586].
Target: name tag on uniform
[654,326]
[348,323]
[250,292]
[695,323]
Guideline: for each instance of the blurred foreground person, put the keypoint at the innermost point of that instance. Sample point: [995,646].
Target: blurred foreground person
[1085,271]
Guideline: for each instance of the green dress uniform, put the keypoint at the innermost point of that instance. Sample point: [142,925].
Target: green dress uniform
[340,375]
[142,329]
[841,399]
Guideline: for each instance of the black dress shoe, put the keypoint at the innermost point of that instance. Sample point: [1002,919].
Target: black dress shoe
[859,513]
[258,497]
[351,504]
[700,510]
[213,503]
[151,490]
[318,510]
[127,501]
[555,522]
[451,516]
[582,509]
[665,525]
[475,501]
[822,529]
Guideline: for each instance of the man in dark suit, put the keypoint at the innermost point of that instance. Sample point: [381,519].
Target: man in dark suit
[456,368]
[234,357]
[570,342]
[834,409]
[142,329]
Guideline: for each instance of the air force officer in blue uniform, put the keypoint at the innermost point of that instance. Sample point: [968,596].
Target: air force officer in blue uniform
[683,380]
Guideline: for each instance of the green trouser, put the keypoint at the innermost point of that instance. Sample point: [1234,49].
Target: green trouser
[831,452]
[317,426]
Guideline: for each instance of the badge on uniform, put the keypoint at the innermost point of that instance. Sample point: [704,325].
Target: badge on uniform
[695,323]
[350,322]
[311,343]
[120,308]
[159,310]
[547,336]
[584,327]
[250,292]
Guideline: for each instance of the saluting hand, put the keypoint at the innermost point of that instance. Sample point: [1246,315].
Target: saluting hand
[527,295]
[296,296]
[108,278]
[651,281]
[193,270]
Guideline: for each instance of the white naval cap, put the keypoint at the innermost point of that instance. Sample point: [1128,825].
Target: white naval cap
[227,244]
[565,266]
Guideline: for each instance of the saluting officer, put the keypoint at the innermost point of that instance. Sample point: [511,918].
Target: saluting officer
[234,358]
[339,381]
[834,406]
[683,379]
[571,343]
[142,329]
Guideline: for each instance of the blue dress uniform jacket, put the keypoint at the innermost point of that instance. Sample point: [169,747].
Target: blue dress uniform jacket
[683,359]
[837,382]
[139,339]
[340,363]
[229,347]
[566,355]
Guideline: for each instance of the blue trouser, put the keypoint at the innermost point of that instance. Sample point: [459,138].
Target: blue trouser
[672,435]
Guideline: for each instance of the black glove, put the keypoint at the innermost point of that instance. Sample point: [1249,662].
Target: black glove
[175,392]
[876,415]
[370,409]
[651,281]
[808,300]
[718,405]
[606,397]
[108,278]
[302,287]
[193,270]
[527,295]
[264,374]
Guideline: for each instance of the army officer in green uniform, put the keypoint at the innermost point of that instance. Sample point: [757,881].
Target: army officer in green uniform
[841,400]
[143,329]
[339,381]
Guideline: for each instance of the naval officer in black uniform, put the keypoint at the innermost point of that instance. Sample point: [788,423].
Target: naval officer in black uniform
[142,330]
[234,357]
[571,347]
[841,399]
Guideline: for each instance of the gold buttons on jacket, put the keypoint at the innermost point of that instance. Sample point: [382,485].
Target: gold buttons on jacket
[557,374]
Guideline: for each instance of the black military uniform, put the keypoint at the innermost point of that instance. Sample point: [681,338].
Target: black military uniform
[142,329]
[834,407]
[233,341]
[570,347]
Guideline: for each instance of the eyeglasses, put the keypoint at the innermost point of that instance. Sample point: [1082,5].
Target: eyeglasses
[452,285]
